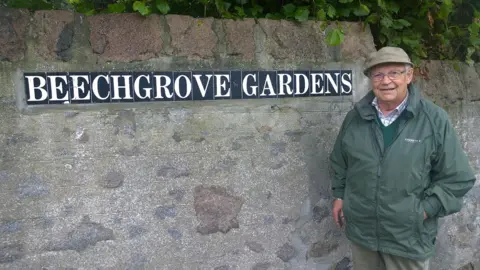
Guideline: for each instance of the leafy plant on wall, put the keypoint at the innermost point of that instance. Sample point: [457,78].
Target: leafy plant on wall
[442,29]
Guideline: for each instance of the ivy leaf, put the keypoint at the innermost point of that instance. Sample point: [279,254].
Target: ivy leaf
[289,10]
[227,5]
[445,9]
[321,15]
[335,37]
[381,4]
[256,10]
[382,39]
[397,25]
[411,41]
[396,41]
[163,6]
[372,18]
[240,11]
[29,4]
[90,12]
[323,26]
[420,51]
[404,22]
[273,16]
[476,14]
[141,8]
[222,6]
[393,7]
[362,10]
[345,12]
[345,1]
[116,8]
[331,12]
[302,14]
[386,22]
[475,41]
[470,51]
[474,29]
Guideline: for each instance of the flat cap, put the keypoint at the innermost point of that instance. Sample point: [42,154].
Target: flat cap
[386,55]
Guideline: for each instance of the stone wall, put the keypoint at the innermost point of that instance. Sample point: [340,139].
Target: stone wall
[229,184]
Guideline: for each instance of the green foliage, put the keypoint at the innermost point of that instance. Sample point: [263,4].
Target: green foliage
[441,29]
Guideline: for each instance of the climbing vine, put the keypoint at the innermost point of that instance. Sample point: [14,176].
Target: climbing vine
[442,29]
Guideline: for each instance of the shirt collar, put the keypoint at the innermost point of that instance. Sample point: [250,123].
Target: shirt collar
[399,108]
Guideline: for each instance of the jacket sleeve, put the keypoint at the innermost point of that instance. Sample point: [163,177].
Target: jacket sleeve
[338,161]
[451,174]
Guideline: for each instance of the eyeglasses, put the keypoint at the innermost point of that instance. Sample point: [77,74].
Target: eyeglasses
[392,75]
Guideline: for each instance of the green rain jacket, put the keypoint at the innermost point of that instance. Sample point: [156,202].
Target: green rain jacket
[386,191]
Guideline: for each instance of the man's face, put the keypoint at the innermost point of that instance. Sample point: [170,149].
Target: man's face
[390,82]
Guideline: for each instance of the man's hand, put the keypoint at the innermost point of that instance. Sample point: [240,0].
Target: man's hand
[338,212]
[425,216]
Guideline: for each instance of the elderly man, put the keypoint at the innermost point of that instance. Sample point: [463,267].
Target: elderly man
[398,167]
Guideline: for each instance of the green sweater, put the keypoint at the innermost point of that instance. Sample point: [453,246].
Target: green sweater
[388,131]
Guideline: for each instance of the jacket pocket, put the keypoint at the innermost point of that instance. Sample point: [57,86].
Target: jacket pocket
[425,229]
[420,217]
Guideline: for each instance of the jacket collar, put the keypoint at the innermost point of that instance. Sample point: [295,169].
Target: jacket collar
[367,111]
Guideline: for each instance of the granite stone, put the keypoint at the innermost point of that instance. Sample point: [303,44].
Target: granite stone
[216,209]
[136,231]
[261,266]
[163,212]
[344,264]
[286,252]
[10,227]
[177,194]
[321,248]
[11,252]
[113,179]
[85,235]
[222,267]
[174,233]
[33,186]
[169,171]
[255,246]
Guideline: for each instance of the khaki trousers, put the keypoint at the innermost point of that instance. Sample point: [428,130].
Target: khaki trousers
[365,259]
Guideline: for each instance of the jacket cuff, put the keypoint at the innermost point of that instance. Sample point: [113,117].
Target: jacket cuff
[338,193]
[432,206]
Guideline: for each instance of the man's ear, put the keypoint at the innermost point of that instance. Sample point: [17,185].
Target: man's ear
[409,76]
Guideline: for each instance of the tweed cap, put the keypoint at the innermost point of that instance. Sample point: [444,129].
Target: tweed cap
[386,55]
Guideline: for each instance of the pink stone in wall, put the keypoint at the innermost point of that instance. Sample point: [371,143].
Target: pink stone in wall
[13,26]
[287,40]
[240,38]
[48,26]
[125,37]
[192,37]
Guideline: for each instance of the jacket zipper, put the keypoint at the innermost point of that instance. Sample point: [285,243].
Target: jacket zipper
[379,170]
